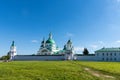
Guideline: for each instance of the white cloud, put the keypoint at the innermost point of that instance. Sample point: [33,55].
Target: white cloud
[118,0]
[69,34]
[94,46]
[100,42]
[78,49]
[118,41]
[34,41]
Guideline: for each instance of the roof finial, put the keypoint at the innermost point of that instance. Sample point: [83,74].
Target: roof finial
[13,43]
[50,35]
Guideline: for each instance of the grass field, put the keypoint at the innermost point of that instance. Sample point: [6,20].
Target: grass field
[59,70]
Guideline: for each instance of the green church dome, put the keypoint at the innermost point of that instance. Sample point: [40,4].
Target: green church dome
[50,41]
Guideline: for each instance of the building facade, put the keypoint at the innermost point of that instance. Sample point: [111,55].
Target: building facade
[108,54]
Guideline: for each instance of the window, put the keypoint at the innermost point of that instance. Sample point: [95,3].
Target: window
[103,54]
[106,59]
[115,59]
[103,59]
[111,59]
[107,54]
[111,54]
[115,54]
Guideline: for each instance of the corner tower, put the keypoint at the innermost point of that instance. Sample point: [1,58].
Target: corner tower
[12,51]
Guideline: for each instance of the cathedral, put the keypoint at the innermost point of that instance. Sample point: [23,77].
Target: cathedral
[48,47]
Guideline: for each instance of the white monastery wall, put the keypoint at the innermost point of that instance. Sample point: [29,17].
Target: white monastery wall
[36,57]
[87,58]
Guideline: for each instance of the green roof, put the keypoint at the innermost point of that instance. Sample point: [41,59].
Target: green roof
[109,50]
[13,43]
[50,41]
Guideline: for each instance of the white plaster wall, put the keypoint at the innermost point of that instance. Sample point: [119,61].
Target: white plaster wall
[29,57]
[87,58]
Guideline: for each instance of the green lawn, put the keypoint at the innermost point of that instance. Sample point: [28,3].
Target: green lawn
[56,70]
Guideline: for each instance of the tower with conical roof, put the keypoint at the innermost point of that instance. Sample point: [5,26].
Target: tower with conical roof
[12,51]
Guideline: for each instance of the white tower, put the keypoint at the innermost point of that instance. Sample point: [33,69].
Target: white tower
[69,50]
[12,51]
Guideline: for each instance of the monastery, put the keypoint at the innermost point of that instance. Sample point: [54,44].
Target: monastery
[49,51]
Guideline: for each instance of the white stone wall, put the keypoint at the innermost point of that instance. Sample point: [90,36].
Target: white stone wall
[36,57]
[96,57]
[86,58]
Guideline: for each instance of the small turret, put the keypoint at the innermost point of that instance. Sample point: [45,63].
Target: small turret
[50,35]
[13,44]
[69,45]
[69,41]
[64,47]
[43,43]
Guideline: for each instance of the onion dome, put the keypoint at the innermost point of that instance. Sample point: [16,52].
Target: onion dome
[64,47]
[13,44]
[50,40]
[69,41]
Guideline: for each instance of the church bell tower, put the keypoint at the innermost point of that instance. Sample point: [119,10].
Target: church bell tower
[12,51]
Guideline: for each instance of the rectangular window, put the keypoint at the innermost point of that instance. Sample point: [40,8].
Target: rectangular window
[103,54]
[114,54]
[103,59]
[111,54]
[106,59]
[107,54]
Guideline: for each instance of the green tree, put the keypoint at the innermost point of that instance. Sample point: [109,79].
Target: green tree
[85,51]
[5,57]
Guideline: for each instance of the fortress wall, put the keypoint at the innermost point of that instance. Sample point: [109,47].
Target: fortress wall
[87,58]
[44,58]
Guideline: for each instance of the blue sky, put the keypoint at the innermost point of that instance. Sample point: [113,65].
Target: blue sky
[89,23]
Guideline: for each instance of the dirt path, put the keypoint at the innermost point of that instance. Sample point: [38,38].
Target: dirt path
[98,74]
